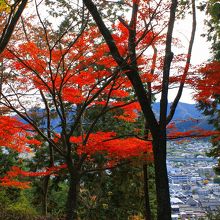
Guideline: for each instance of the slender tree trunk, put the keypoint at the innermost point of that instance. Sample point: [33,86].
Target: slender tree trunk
[46,180]
[146,193]
[10,25]
[71,204]
[146,180]
[161,179]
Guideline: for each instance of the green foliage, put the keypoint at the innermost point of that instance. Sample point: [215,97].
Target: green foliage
[8,158]
[56,196]
[212,8]
[216,179]
[12,215]
[22,205]
[183,8]
[115,194]
[57,199]
[212,110]
[215,215]
[4,199]
[15,205]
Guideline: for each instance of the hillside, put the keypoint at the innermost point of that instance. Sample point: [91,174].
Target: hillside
[184,114]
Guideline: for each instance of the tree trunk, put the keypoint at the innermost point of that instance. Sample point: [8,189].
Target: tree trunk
[161,178]
[146,193]
[11,23]
[45,181]
[71,204]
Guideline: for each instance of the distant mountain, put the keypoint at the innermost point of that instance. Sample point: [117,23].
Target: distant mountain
[186,117]
[184,114]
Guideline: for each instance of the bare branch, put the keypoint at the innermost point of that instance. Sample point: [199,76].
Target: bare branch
[189,54]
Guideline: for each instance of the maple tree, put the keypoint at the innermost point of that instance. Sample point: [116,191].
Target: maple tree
[13,137]
[129,62]
[67,76]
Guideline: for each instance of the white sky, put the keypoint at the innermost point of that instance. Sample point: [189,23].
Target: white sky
[200,51]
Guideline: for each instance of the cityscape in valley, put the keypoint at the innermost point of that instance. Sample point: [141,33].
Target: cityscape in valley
[194,186]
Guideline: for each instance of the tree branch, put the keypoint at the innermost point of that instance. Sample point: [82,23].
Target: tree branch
[10,28]
[166,67]
[185,73]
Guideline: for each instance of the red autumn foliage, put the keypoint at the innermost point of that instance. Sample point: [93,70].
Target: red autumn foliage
[78,80]
[115,148]
[194,132]
[69,75]
[207,82]
[11,179]
[14,135]
[106,143]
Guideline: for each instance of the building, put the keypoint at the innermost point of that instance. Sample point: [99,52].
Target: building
[178,178]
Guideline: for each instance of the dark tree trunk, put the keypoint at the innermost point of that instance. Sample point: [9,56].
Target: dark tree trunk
[161,179]
[71,204]
[10,26]
[146,179]
[146,193]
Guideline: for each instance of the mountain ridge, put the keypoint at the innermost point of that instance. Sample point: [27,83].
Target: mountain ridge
[186,116]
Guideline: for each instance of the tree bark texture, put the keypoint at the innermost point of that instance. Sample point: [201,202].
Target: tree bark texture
[161,179]
[71,204]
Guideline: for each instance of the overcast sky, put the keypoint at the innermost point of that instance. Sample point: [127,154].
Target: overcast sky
[200,51]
